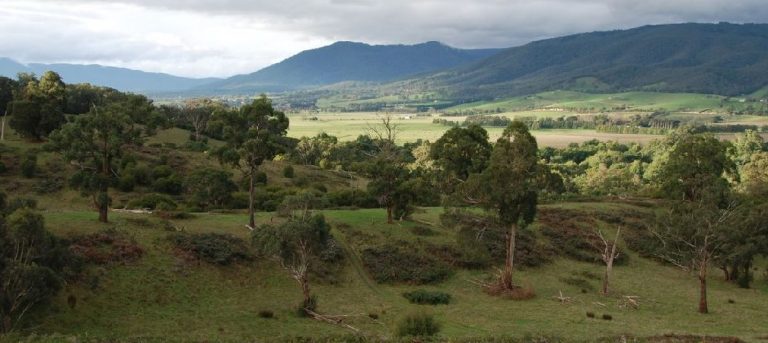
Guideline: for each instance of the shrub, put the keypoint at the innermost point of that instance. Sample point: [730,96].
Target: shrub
[221,249]
[266,314]
[422,231]
[169,185]
[29,165]
[288,171]
[423,297]
[49,185]
[152,202]
[590,315]
[577,282]
[3,168]
[105,247]
[607,317]
[418,324]
[390,263]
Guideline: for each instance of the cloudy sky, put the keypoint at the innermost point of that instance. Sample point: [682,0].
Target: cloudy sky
[225,37]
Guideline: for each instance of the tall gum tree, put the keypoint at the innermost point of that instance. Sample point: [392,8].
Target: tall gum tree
[508,187]
[253,134]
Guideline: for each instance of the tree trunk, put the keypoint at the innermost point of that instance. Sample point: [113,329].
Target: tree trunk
[104,209]
[509,263]
[703,308]
[2,127]
[251,189]
[608,270]
[389,214]
[305,289]
[6,323]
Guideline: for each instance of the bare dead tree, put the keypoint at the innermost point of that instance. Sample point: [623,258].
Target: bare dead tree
[385,133]
[2,126]
[608,253]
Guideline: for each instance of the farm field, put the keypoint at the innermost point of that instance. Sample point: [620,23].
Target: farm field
[348,126]
[160,296]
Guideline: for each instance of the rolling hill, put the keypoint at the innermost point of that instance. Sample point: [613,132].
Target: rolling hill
[123,79]
[726,59]
[350,61]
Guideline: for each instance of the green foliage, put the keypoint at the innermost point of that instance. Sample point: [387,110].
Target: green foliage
[462,151]
[153,202]
[210,188]
[169,185]
[29,164]
[424,297]
[30,265]
[38,106]
[288,171]
[221,249]
[418,324]
[253,134]
[96,141]
[394,264]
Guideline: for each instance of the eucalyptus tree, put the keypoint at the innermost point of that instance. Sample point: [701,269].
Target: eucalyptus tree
[253,134]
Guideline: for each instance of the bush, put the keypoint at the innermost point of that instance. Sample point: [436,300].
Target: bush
[423,297]
[288,171]
[49,185]
[153,202]
[29,165]
[169,185]
[390,264]
[351,198]
[590,315]
[267,314]
[418,324]
[422,231]
[105,247]
[607,317]
[221,249]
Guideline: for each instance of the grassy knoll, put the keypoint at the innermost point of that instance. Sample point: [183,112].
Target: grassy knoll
[162,297]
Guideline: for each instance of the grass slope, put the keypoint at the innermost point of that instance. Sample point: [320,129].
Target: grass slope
[162,298]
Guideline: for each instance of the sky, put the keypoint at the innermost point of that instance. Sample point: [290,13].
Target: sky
[201,38]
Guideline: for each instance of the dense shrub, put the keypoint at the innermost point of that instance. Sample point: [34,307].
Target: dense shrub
[170,185]
[29,165]
[221,249]
[391,263]
[267,314]
[424,297]
[422,231]
[210,188]
[351,198]
[288,171]
[418,324]
[49,185]
[105,247]
[572,234]
[153,202]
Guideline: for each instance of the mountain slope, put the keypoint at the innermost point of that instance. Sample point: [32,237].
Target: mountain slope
[349,61]
[725,59]
[119,78]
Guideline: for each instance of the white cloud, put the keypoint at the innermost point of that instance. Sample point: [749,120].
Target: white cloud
[209,37]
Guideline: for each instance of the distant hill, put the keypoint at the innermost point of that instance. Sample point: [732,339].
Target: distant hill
[726,59]
[349,61]
[119,78]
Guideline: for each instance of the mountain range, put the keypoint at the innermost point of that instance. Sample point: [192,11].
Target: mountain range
[726,59]
[119,78]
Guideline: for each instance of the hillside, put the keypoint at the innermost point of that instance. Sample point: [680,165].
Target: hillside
[122,79]
[350,61]
[724,59]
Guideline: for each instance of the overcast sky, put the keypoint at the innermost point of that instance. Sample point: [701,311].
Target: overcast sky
[225,37]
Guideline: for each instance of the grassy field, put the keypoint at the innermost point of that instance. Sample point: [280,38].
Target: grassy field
[347,126]
[160,297]
[643,101]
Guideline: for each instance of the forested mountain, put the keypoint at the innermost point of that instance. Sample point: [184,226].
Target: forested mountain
[350,61]
[119,78]
[723,58]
